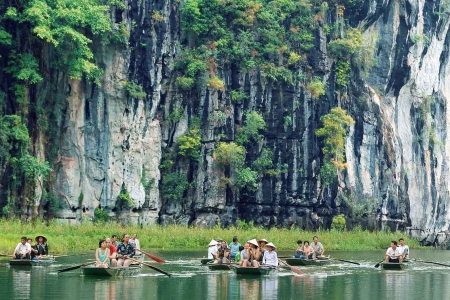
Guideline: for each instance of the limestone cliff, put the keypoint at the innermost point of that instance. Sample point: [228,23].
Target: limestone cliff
[397,152]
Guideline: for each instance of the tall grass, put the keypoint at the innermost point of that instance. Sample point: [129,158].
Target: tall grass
[64,238]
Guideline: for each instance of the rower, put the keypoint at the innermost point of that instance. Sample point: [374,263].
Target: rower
[317,248]
[234,247]
[393,254]
[41,246]
[270,257]
[102,255]
[22,250]
[125,251]
[223,253]
[403,249]
[299,253]
[212,249]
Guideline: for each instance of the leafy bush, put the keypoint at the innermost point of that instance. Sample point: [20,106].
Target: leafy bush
[215,83]
[294,58]
[317,88]
[124,200]
[173,186]
[135,90]
[238,96]
[24,67]
[189,144]
[247,178]
[344,48]
[100,216]
[328,173]
[338,223]
[229,154]
[185,83]
[264,161]
[254,123]
[218,118]
[342,73]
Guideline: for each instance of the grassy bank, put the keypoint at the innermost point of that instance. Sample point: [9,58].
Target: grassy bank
[83,238]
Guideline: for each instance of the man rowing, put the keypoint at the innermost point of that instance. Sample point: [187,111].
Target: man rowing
[41,247]
[317,248]
[270,257]
[125,252]
[403,249]
[393,254]
[22,250]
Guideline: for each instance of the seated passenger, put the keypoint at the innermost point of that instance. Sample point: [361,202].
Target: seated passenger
[393,254]
[125,251]
[299,252]
[270,257]
[403,249]
[317,248]
[112,252]
[22,250]
[102,255]
[307,250]
[212,249]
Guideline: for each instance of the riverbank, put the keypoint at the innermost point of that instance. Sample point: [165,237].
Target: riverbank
[63,238]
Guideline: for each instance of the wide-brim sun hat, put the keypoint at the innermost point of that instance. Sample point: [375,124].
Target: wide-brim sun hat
[37,238]
[253,242]
[263,240]
[212,243]
[271,245]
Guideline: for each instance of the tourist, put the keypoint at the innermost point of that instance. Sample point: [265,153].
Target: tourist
[114,240]
[33,252]
[262,244]
[307,250]
[223,253]
[102,255]
[245,256]
[270,257]
[125,251]
[136,244]
[212,249]
[299,252]
[234,248]
[22,250]
[403,249]
[112,252]
[255,253]
[317,248]
[393,254]
[41,247]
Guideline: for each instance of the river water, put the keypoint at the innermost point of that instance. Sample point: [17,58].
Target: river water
[193,281]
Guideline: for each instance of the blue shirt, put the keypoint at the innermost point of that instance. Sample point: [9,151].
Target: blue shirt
[234,247]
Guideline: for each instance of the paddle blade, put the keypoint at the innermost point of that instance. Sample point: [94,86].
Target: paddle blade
[297,270]
[156,269]
[158,259]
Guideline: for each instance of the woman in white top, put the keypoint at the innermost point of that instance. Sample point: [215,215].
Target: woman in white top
[212,249]
[270,257]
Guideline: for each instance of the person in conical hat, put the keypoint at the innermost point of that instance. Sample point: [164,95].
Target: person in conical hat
[41,246]
[270,257]
[212,249]
[255,254]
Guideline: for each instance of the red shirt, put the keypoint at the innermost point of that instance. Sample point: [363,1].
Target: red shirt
[112,249]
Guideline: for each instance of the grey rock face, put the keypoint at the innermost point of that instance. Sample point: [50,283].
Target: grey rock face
[397,151]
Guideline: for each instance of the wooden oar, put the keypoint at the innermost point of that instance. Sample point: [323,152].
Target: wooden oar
[347,261]
[152,267]
[432,262]
[293,269]
[75,267]
[158,259]
[378,264]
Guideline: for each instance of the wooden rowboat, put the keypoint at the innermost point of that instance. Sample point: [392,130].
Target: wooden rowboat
[307,262]
[393,266]
[254,271]
[30,262]
[220,267]
[204,261]
[111,272]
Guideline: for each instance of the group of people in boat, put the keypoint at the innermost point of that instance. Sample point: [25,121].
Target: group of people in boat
[254,253]
[307,251]
[397,252]
[112,253]
[26,250]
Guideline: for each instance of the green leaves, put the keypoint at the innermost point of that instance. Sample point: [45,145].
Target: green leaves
[253,125]
[135,90]
[24,67]
[189,144]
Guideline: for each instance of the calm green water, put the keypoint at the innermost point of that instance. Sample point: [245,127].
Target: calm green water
[192,281]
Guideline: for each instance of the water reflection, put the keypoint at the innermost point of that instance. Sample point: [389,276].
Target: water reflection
[21,279]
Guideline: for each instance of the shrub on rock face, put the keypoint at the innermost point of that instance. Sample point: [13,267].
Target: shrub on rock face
[173,186]
[185,83]
[229,154]
[135,90]
[189,144]
[215,83]
[338,223]
[100,215]
[317,88]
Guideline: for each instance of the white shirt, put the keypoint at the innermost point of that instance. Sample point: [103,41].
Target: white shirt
[270,258]
[393,253]
[137,245]
[22,249]
[404,250]
[211,250]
